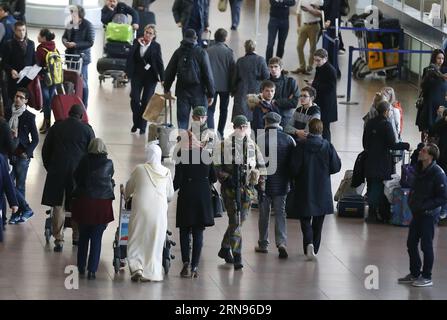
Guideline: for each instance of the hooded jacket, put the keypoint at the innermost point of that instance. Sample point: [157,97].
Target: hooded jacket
[312,163]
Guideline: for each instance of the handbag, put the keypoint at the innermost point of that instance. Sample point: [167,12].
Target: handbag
[420,102]
[217,203]
[222,5]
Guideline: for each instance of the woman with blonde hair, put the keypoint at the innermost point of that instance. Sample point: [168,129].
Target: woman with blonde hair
[150,187]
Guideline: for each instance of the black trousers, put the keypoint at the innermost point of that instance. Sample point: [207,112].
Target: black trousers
[422,229]
[197,243]
[311,228]
[327,131]
[141,91]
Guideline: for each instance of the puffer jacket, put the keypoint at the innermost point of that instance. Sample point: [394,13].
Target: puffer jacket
[83,37]
[428,192]
[93,177]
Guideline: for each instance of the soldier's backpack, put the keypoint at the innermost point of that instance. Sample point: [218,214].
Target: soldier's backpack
[54,74]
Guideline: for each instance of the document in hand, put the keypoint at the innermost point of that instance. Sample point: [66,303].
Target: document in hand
[30,72]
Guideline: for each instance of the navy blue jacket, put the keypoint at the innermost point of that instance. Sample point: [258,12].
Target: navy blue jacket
[312,163]
[6,186]
[7,145]
[182,11]
[27,127]
[15,58]
[83,37]
[286,97]
[429,191]
[281,10]
[277,182]
[136,63]
[121,8]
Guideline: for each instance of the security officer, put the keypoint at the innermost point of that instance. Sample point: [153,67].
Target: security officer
[239,165]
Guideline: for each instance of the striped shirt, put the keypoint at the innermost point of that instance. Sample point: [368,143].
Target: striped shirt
[301,119]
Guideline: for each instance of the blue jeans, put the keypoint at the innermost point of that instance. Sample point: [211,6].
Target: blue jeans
[19,172]
[278,27]
[279,205]
[92,234]
[197,243]
[422,228]
[184,106]
[235,12]
[224,100]
[138,101]
[84,73]
[47,94]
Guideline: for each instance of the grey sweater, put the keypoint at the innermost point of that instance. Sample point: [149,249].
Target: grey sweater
[301,119]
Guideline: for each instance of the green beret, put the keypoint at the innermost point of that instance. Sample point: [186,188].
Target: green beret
[199,111]
[240,120]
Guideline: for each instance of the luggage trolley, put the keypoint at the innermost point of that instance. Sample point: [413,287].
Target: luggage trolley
[375,62]
[122,236]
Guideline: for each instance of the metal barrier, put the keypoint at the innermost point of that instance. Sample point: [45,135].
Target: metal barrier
[352,49]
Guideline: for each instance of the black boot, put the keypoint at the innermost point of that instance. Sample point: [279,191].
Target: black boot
[225,253]
[238,261]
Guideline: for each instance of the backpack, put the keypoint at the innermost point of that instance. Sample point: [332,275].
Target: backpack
[188,70]
[54,74]
[344,8]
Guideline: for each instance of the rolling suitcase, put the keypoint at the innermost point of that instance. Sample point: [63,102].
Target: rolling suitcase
[351,207]
[35,99]
[107,64]
[146,17]
[62,103]
[375,59]
[345,188]
[117,50]
[400,211]
[73,83]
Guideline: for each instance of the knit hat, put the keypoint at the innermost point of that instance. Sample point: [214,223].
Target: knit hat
[240,121]
[199,111]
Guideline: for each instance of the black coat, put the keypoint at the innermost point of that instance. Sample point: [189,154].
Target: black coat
[312,163]
[64,146]
[121,8]
[93,177]
[206,87]
[182,9]
[439,130]
[83,37]
[325,83]
[286,97]
[152,56]
[378,140]
[429,191]
[27,128]
[7,145]
[278,181]
[6,186]
[194,208]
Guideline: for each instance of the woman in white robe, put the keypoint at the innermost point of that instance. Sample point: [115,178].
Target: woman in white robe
[150,187]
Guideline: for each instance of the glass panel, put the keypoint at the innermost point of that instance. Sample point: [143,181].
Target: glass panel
[50,2]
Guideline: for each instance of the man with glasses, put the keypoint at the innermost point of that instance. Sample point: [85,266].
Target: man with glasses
[298,125]
[286,93]
[23,125]
[427,195]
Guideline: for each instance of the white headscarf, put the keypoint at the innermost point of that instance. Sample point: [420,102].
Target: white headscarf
[156,171]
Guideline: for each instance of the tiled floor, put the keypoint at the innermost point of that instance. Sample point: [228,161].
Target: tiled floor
[30,270]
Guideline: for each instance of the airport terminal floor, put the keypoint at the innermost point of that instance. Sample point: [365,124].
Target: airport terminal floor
[29,269]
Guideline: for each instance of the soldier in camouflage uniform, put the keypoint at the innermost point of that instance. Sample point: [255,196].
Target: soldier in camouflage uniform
[239,163]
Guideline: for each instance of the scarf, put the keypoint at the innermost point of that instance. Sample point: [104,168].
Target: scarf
[22,45]
[16,113]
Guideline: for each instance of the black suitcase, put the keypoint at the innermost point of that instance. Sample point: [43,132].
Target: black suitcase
[351,206]
[117,50]
[106,64]
[146,17]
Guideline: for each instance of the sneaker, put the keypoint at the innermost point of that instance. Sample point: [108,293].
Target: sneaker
[25,216]
[261,249]
[422,282]
[15,218]
[282,252]
[195,272]
[298,70]
[409,278]
[341,51]
[310,252]
[185,271]
[225,253]
[58,248]
[136,275]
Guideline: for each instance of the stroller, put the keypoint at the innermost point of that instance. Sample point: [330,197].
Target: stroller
[121,238]
[376,62]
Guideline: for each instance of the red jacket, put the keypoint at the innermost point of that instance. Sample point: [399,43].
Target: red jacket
[41,53]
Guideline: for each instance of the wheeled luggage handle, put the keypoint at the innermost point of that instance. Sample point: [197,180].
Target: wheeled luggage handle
[168,104]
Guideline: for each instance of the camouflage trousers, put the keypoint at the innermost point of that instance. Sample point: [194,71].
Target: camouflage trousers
[233,236]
